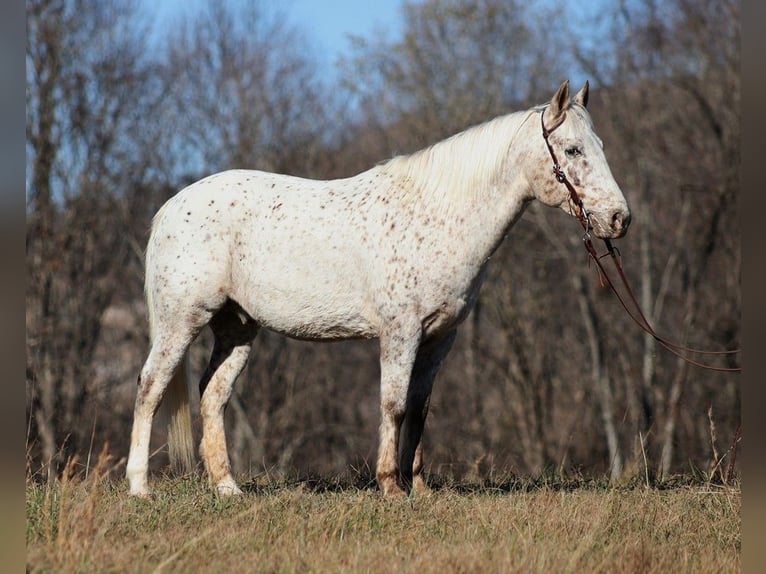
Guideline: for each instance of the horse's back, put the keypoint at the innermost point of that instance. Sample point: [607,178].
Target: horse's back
[281,247]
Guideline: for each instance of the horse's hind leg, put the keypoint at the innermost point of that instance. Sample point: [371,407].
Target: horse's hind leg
[430,357]
[234,333]
[167,352]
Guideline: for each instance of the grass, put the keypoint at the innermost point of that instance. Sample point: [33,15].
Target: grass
[90,524]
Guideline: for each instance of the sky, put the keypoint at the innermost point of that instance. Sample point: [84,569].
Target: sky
[329,22]
[326,23]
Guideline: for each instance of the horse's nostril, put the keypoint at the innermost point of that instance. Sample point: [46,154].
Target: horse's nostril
[621,219]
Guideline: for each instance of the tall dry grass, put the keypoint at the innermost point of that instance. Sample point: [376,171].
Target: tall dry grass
[87,523]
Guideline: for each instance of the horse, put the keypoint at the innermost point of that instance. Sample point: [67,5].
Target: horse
[397,252]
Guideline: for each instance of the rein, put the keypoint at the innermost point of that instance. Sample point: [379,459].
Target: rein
[637,314]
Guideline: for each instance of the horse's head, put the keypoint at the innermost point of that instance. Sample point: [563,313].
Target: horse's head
[580,154]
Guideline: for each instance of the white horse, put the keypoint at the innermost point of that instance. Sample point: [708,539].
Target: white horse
[397,253]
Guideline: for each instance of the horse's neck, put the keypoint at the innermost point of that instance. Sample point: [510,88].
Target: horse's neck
[473,182]
[489,219]
[462,237]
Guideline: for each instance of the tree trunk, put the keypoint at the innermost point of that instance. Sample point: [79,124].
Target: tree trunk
[600,376]
[676,389]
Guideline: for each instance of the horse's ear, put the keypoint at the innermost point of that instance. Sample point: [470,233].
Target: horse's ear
[559,104]
[582,96]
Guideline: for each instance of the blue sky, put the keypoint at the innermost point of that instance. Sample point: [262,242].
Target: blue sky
[329,22]
[326,23]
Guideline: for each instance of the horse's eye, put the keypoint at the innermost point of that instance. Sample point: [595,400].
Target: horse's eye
[573,151]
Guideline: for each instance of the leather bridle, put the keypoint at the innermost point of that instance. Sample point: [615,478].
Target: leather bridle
[637,314]
[561,177]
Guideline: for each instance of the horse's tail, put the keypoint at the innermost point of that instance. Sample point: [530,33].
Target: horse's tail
[174,410]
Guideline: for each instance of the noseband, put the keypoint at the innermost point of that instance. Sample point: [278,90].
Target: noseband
[637,314]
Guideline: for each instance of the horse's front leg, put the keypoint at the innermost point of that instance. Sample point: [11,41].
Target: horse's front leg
[398,349]
[429,359]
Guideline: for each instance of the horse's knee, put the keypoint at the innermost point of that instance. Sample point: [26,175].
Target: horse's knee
[393,406]
[148,394]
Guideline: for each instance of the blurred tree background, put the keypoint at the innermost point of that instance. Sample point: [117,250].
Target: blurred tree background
[547,375]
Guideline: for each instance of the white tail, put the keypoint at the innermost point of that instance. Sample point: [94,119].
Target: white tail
[176,413]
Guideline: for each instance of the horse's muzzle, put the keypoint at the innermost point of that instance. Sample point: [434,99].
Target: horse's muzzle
[611,226]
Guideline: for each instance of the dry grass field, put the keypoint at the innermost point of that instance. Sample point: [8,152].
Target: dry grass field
[90,524]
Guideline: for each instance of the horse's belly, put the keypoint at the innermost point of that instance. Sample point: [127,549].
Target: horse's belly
[324,330]
[298,311]
[310,324]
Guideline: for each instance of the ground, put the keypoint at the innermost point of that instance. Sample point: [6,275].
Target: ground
[92,525]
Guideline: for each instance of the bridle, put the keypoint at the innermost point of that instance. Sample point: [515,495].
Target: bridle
[637,314]
[561,177]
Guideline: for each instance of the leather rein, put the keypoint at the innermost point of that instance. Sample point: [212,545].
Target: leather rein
[636,314]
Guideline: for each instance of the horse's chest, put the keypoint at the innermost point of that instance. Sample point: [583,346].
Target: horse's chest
[429,274]
[444,305]
[440,302]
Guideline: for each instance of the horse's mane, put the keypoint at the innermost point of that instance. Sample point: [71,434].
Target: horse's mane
[459,168]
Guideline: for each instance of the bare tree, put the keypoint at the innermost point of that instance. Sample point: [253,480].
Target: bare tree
[245,93]
[667,126]
[86,86]
[457,63]
[548,373]
[678,62]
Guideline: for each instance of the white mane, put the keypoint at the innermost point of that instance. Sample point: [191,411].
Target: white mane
[459,168]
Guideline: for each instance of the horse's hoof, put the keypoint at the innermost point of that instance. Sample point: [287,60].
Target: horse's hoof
[143,493]
[228,488]
[393,492]
[420,488]
[140,489]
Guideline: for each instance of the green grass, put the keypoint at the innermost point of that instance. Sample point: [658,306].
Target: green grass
[90,524]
